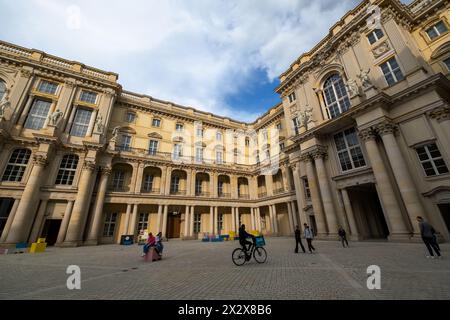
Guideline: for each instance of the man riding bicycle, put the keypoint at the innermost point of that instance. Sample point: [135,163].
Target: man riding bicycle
[243,235]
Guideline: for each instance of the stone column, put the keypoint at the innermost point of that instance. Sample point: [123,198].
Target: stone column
[269,186]
[92,122]
[40,218]
[132,226]
[258,218]
[190,182]
[162,182]
[404,180]
[299,190]
[24,217]
[65,223]
[186,222]
[165,216]
[442,116]
[315,197]
[391,208]
[97,220]
[252,216]
[216,220]
[238,225]
[233,220]
[325,191]
[139,178]
[212,185]
[127,219]
[168,180]
[78,218]
[291,217]
[191,224]
[275,218]
[284,173]
[350,215]
[211,219]
[272,227]
[159,219]
[11,216]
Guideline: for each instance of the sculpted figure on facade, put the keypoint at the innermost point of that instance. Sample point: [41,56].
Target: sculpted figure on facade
[99,124]
[55,117]
[4,104]
[365,79]
[352,88]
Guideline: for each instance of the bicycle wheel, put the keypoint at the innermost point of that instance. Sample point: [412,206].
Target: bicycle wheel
[260,255]
[238,257]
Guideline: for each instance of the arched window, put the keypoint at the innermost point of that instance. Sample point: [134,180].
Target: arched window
[336,97]
[67,169]
[2,89]
[16,165]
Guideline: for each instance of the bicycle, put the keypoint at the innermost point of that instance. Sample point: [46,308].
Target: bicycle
[256,250]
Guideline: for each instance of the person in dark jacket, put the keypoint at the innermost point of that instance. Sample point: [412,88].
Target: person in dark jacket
[243,235]
[428,236]
[298,240]
[343,235]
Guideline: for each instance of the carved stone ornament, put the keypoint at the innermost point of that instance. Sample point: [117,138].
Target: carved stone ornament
[352,88]
[89,165]
[365,79]
[381,49]
[367,134]
[26,73]
[40,160]
[386,127]
[55,117]
[440,114]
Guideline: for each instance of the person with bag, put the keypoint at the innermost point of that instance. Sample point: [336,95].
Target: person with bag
[309,236]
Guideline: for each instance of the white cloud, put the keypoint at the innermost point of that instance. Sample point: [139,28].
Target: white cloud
[194,52]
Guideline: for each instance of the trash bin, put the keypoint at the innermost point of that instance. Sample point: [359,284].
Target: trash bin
[126,240]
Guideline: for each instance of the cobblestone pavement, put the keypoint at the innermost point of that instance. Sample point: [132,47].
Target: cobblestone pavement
[195,270]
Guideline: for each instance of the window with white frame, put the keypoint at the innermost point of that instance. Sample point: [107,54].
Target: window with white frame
[281,146]
[88,96]
[174,184]
[199,154]
[278,126]
[153,147]
[296,123]
[125,142]
[198,186]
[292,97]
[219,157]
[2,89]
[37,115]
[306,188]
[179,127]
[148,183]
[156,122]
[81,122]
[199,132]
[436,30]
[118,180]
[265,135]
[247,141]
[391,71]
[67,170]
[16,165]
[130,117]
[447,63]
[47,87]
[110,225]
[177,151]
[197,222]
[220,221]
[336,97]
[375,35]
[431,160]
[219,136]
[349,150]
[143,221]
[220,188]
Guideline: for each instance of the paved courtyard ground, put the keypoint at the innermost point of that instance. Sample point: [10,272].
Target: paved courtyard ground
[195,270]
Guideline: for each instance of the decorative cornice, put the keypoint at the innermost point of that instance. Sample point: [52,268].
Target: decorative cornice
[440,114]
[367,134]
[385,127]
[40,160]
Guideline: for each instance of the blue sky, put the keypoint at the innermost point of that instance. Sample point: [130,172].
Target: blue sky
[221,56]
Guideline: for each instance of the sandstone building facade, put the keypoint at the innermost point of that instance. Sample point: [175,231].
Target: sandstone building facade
[361,139]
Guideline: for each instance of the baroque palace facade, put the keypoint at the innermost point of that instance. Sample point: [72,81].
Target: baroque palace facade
[360,140]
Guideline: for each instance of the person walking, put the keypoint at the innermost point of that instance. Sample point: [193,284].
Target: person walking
[298,239]
[309,238]
[428,236]
[343,235]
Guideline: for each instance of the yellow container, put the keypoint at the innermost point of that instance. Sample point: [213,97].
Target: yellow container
[37,247]
[41,240]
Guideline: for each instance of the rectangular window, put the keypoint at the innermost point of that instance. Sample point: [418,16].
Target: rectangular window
[219,157]
[219,136]
[279,126]
[177,151]
[148,183]
[431,160]
[375,35]
[37,115]
[247,142]
[118,180]
[198,187]
[197,222]
[437,30]
[447,63]
[296,124]
[281,146]
[199,132]
[67,170]
[292,97]
[220,221]
[81,122]
[306,189]
[47,87]
[349,151]
[153,147]
[143,221]
[16,165]
[391,71]
[179,127]
[199,154]
[131,117]
[156,123]
[174,184]
[110,225]
[220,188]
[125,144]
[88,96]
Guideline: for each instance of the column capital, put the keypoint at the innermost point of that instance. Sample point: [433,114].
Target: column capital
[106,170]
[440,113]
[40,160]
[305,157]
[89,165]
[367,134]
[385,127]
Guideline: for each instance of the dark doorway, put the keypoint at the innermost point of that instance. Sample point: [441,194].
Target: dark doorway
[50,231]
[368,212]
[5,208]
[313,224]
[173,225]
[445,211]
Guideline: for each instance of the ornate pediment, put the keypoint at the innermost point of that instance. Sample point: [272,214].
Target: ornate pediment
[381,49]
[155,135]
